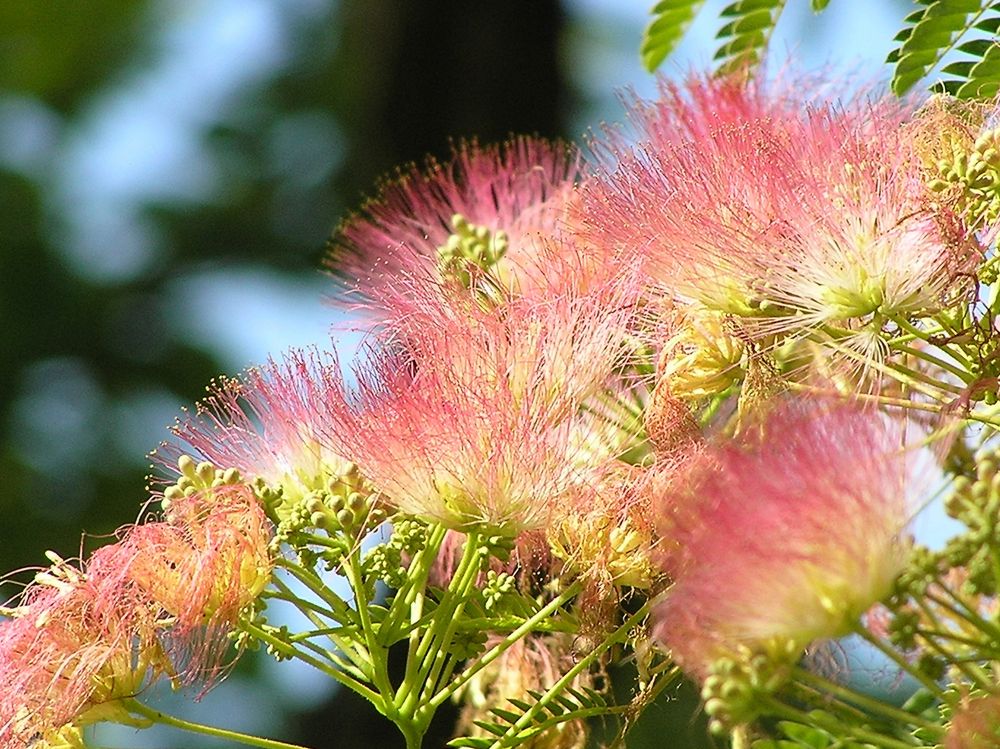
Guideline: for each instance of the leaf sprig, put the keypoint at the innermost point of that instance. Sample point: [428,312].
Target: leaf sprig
[932,31]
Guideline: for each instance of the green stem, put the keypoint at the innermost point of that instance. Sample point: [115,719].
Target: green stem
[501,647]
[359,658]
[831,724]
[914,377]
[376,652]
[964,613]
[963,374]
[315,584]
[971,671]
[291,652]
[925,336]
[437,637]
[567,679]
[901,662]
[408,602]
[185,725]
[845,694]
[978,645]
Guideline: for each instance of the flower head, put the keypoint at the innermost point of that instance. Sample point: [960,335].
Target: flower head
[467,418]
[604,532]
[784,537]
[199,569]
[458,455]
[160,602]
[976,725]
[268,426]
[551,352]
[486,212]
[792,217]
[79,641]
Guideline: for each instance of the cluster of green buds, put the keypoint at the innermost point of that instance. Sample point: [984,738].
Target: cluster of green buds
[196,478]
[735,688]
[971,178]
[470,246]
[975,502]
[345,510]
[387,561]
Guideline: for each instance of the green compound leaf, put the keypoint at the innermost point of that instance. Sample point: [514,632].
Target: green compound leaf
[745,34]
[936,29]
[573,704]
[671,19]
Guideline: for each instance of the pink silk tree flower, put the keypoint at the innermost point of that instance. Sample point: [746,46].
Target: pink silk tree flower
[976,725]
[79,641]
[269,425]
[465,454]
[785,536]
[484,213]
[199,569]
[160,602]
[561,350]
[794,216]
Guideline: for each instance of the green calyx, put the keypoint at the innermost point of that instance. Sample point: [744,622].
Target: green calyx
[469,249]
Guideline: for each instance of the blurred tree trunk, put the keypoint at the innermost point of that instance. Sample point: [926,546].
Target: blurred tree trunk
[425,73]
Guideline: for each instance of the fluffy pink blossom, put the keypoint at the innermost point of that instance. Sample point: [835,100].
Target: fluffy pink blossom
[797,216]
[77,641]
[269,424]
[160,602]
[785,536]
[508,198]
[200,568]
[462,447]
[976,725]
[558,350]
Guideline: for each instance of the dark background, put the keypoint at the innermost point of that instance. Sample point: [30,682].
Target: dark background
[169,173]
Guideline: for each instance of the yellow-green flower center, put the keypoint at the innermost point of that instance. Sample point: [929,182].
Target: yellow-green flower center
[469,248]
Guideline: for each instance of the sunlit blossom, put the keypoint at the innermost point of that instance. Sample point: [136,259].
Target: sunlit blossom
[785,536]
[792,216]
[487,211]
[268,425]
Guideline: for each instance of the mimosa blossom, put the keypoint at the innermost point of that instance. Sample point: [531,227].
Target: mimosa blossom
[559,351]
[786,536]
[157,603]
[79,641]
[795,216]
[464,456]
[269,425]
[486,211]
[461,456]
[976,725]
[200,568]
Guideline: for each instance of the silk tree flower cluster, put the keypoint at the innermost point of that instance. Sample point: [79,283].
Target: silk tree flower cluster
[670,406]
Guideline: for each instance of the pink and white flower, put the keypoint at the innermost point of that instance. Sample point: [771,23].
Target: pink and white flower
[785,536]
[795,216]
[489,212]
